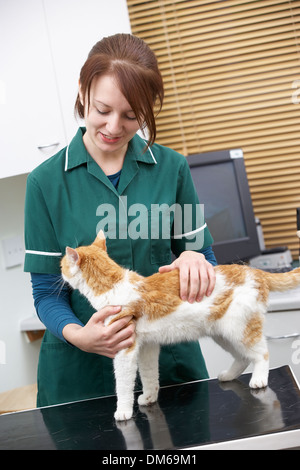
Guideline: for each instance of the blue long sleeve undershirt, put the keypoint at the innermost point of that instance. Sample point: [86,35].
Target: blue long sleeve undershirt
[52,303]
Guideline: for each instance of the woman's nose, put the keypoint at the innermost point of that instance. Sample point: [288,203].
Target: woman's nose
[114,124]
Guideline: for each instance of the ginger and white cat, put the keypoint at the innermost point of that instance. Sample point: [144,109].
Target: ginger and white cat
[232,316]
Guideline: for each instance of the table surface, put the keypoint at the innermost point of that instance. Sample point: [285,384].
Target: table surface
[190,415]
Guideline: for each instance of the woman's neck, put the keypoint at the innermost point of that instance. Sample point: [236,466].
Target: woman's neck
[109,162]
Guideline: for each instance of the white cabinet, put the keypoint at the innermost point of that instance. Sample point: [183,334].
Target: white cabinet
[31,127]
[74,26]
[43,44]
[281,328]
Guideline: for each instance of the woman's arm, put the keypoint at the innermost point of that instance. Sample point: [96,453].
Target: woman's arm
[52,304]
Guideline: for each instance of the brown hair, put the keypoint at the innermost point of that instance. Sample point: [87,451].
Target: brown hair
[134,66]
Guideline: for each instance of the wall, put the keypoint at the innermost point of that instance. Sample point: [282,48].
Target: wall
[74,26]
[19,356]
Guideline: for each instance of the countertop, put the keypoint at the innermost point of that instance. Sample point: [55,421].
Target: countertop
[197,415]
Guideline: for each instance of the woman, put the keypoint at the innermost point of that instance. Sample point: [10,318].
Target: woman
[99,181]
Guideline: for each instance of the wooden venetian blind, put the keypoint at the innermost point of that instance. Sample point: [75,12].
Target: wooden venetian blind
[232,74]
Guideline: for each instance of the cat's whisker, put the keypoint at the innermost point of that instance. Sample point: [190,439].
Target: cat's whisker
[58,285]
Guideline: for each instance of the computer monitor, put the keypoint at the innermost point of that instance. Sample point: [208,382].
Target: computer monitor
[221,182]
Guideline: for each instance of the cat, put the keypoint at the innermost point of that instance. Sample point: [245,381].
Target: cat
[232,316]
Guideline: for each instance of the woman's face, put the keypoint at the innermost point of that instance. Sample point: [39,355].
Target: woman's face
[110,121]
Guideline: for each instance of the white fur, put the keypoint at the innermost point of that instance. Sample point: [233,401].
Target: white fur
[121,294]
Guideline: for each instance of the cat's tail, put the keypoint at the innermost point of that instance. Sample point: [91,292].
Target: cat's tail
[283,281]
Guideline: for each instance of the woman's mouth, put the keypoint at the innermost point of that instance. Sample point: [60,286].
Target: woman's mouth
[109,139]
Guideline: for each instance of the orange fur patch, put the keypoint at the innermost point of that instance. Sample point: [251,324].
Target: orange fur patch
[235,274]
[275,282]
[100,272]
[266,356]
[160,294]
[159,297]
[220,305]
[253,331]
[261,284]
[283,281]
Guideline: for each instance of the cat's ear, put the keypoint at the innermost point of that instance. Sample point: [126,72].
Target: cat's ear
[100,240]
[73,255]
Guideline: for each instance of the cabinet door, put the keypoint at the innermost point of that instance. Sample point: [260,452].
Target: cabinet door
[31,126]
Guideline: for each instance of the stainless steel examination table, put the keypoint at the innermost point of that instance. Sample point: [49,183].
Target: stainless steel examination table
[197,415]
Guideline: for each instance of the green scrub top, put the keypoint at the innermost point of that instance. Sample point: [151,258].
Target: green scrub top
[68,199]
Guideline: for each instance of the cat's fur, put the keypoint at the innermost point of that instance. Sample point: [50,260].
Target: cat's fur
[232,316]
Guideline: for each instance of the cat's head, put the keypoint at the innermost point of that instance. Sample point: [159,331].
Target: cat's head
[85,262]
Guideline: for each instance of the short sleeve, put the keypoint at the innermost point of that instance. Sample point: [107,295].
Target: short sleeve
[42,250]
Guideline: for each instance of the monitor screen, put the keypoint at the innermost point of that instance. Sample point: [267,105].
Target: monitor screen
[221,182]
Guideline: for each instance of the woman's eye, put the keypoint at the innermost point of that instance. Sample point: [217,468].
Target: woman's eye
[126,116]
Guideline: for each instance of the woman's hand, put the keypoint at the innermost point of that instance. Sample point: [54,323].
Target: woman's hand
[97,338]
[197,276]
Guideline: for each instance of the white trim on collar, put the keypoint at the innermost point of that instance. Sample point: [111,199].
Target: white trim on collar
[151,153]
[67,158]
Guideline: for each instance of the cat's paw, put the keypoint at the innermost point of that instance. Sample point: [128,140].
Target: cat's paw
[147,398]
[225,376]
[123,414]
[258,382]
